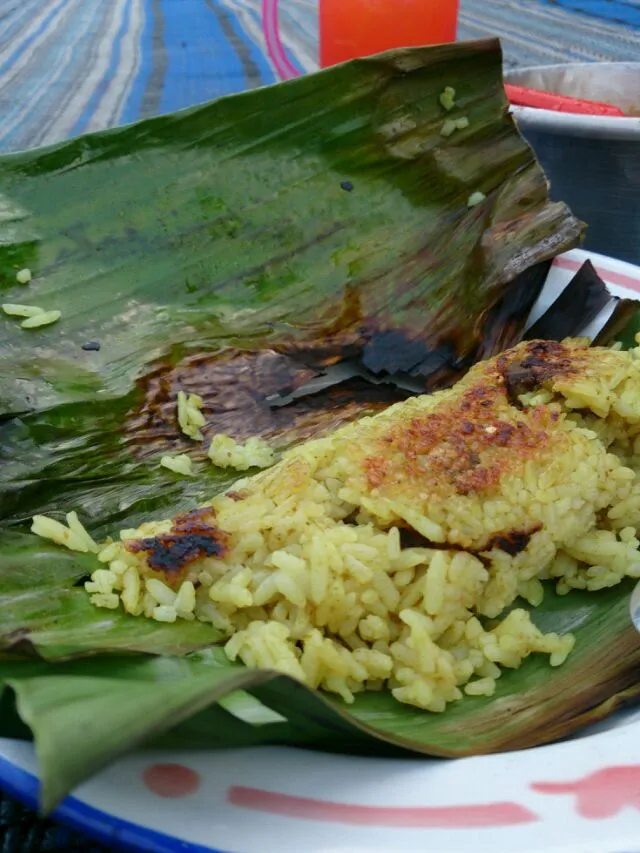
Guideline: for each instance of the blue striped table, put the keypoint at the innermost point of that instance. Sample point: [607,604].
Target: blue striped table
[71,66]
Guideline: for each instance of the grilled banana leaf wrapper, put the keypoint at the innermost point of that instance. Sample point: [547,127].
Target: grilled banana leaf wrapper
[298,256]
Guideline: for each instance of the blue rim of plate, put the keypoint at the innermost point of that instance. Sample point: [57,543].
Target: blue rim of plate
[98,825]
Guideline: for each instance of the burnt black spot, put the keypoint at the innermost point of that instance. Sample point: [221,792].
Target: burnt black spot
[172,552]
[504,434]
[410,538]
[513,542]
[347,186]
[542,352]
[544,361]
[519,380]
[91,346]
[193,537]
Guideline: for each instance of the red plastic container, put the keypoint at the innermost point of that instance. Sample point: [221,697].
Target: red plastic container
[353,28]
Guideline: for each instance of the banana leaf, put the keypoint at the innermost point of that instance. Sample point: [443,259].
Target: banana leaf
[239,251]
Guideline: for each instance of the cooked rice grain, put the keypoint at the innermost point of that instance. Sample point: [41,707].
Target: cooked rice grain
[44,318]
[190,417]
[74,536]
[375,557]
[225,452]
[15,309]
[179,464]
[447,98]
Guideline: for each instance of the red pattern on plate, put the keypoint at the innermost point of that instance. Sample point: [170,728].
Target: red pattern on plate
[602,794]
[421,817]
[613,277]
[171,781]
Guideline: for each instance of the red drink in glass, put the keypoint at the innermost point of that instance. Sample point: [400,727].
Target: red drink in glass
[353,28]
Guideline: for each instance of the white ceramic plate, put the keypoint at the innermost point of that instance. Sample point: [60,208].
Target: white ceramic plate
[579,796]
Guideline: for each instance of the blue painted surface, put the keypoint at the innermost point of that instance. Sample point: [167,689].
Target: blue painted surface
[626,12]
[134,105]
[93,104]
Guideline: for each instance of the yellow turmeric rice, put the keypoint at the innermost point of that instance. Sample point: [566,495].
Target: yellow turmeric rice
[386,555]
